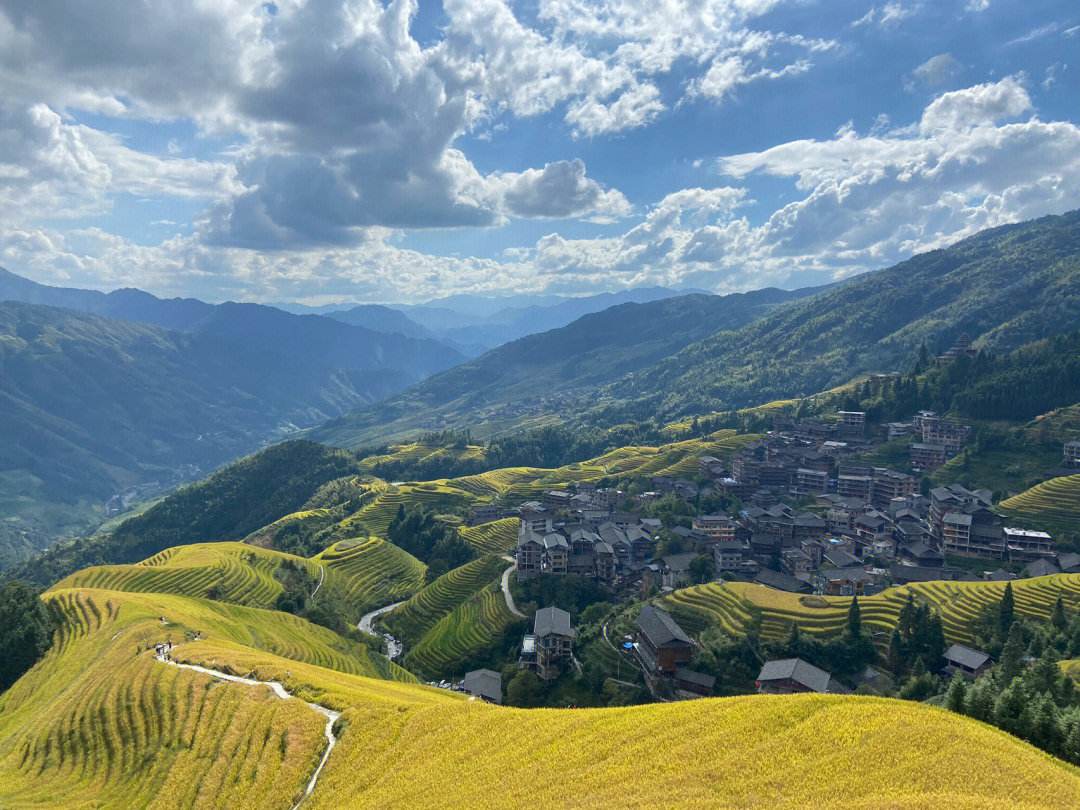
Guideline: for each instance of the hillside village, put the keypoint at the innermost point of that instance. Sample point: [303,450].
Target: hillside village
[797,511]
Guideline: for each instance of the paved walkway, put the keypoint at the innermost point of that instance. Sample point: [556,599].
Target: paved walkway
[367,625]
[279,690]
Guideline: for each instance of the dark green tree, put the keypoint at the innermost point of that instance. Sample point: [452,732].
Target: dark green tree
[1012,654]
[26,630]
[1006,611]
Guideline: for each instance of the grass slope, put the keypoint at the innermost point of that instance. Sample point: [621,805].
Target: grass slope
[98,724]
[732,606]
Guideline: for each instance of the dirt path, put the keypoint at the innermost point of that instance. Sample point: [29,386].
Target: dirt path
[507,595]
[322,579]
[279,690]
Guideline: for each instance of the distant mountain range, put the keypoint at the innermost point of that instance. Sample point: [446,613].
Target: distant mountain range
[549,374]
[100,392]
[474,324]
[1003,287]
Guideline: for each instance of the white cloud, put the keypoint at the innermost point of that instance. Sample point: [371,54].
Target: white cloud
[600,59]
[937,70]
[559,190]
[888,15]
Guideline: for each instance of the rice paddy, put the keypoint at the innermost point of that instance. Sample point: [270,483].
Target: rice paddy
[469,629]
[732,606]
[423,611]
[99,723]
[496,537]
[1053,504]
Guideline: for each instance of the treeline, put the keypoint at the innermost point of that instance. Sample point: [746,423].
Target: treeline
[1021,385]
[1026,693]
[26,631]
[440,546]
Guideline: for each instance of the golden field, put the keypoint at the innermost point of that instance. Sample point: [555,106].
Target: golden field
[99,723]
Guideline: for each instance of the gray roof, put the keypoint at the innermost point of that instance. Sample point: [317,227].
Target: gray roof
[680,562]
[660,628]
[484,683]
[781,581]
[840,558]
[797,670]
[695,677]
[966,656]
[550,621]
[1041,568]
[555,540]
[1068,560]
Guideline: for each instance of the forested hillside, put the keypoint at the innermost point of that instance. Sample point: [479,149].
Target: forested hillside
[554,373]
[92,406]
[1004,287]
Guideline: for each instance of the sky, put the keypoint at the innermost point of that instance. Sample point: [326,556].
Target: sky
[324,151]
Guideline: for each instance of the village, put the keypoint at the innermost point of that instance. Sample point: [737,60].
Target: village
[805,516]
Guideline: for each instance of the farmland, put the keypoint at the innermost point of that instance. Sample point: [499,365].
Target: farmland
[1054,504]
[732,606]
[418,615]
[100,723]
[468,630]
[497,537]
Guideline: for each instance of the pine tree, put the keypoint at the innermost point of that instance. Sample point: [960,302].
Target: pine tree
[1012,655]
[1009,710]
[896,656]
[854,619]
[1058,617]
[1045,730]
[980,700]
[1006,611]
[957,694]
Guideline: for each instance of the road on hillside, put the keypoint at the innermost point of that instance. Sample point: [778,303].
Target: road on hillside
[506,592]
[366,625]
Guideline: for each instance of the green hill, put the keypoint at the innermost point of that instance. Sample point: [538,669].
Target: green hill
[1004,287]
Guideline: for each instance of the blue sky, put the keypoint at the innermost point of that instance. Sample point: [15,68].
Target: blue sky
[331,150]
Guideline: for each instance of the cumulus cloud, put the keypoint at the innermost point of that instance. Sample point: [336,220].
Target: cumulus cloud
[602,60]
[53,168]
[559,190]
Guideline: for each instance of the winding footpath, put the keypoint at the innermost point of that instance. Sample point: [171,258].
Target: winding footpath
[281,692]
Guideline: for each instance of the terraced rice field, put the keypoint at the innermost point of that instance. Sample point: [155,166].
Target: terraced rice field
[1053,504]
[99,723]
[466,631]
[517,483]
[733,605]
[418,615]
[496,537]
[371,572]
[231,572]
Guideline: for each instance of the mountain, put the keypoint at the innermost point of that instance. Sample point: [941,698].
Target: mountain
[126,304]
[1002,287]
[92,406]
[480,323]
[382,319]
[542,373]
